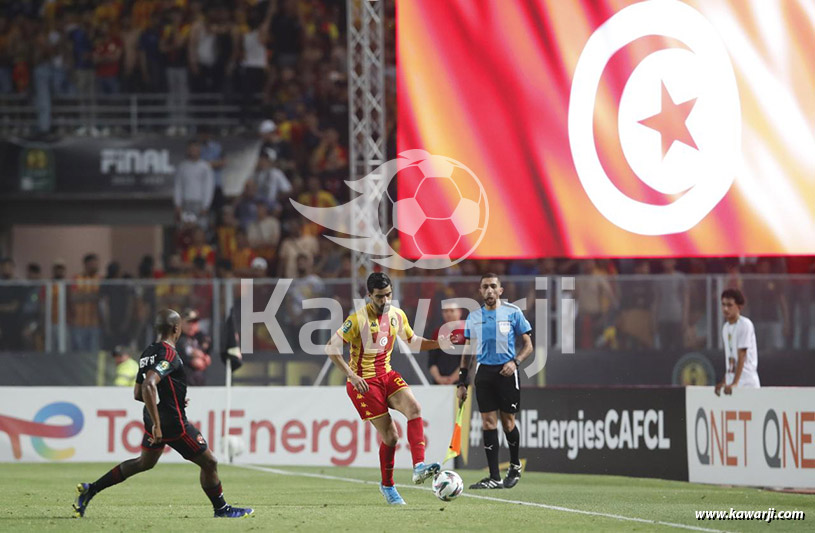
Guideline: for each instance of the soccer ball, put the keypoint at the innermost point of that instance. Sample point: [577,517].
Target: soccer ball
[442,214]
[233,446]
[447,485]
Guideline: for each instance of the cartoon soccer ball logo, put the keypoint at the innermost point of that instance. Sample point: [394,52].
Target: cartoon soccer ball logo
[443,211]
[440,218]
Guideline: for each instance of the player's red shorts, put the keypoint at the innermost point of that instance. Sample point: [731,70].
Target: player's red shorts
[374,403]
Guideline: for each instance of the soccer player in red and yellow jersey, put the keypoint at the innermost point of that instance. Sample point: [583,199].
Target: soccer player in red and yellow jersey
[374,386]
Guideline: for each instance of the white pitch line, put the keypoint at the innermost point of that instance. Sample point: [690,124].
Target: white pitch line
[488,498]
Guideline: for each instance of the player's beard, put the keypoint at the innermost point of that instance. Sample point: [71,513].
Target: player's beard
[489,300]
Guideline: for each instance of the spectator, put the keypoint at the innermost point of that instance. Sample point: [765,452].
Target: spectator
[243,256]
[305,286]
[11,303]
[264,232]
[6,59]
[190,351]
[800,300]
[594,299]
[636,322]
[246,206]
[296,242]
[223,269]
[42,56]
[672,306]
[174,44]
[443,365]
[203,55]
[226,232]
[151,76]
[117,307]
[227,47]
[194,188]
[84,306]
[201,297]
[523,267]
[175,291]
[287,34]
[126,368]
[32,310]
[272,183]
[200,249]
[270,138]
[61,59]
[329,260]
[58,274]
[144,12]
[145,301]
[254,62]
[315,196]
[312,136]
[107,54]
[259,268]
[771,312]
[131,68]
[80,35]
[329,157]
[733,280]
[213,153]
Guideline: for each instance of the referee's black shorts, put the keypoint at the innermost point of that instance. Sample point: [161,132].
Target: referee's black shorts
[495,392]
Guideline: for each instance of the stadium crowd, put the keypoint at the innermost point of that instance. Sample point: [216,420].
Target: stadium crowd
[273,55]
[666,310]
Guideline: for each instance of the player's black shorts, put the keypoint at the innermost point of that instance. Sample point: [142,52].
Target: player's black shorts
[495,392]
[189,444]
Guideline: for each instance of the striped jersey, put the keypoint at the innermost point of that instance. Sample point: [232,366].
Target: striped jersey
[372,336]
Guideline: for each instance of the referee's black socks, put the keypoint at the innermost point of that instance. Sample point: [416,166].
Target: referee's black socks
[491,447]
[514,442]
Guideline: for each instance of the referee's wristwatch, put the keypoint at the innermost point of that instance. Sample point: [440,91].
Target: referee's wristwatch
[517,363]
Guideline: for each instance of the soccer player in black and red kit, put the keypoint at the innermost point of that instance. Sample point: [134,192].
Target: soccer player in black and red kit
[162,386]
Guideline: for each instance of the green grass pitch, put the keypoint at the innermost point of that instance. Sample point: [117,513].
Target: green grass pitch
[38,497]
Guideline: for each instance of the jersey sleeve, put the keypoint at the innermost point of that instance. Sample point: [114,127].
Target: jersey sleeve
[521,324]
[405,331]
[349,329]
[468,327]
[742,337]
[166,361]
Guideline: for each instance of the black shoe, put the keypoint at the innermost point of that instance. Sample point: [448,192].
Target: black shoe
[488,483]
[513,476]
[234,512]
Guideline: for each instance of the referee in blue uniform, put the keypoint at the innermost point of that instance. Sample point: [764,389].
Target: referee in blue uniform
[490,333]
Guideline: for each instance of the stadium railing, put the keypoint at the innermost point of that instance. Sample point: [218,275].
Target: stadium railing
[653,314]
[126,113]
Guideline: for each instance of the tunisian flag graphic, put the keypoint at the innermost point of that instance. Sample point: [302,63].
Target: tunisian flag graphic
[618,128]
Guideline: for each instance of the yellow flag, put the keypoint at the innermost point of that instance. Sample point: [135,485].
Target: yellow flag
[454,450]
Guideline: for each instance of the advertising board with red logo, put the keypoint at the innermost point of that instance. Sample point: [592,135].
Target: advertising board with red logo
[286,426]
[757,437]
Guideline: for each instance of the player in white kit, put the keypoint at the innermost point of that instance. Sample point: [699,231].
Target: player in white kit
[740,351]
